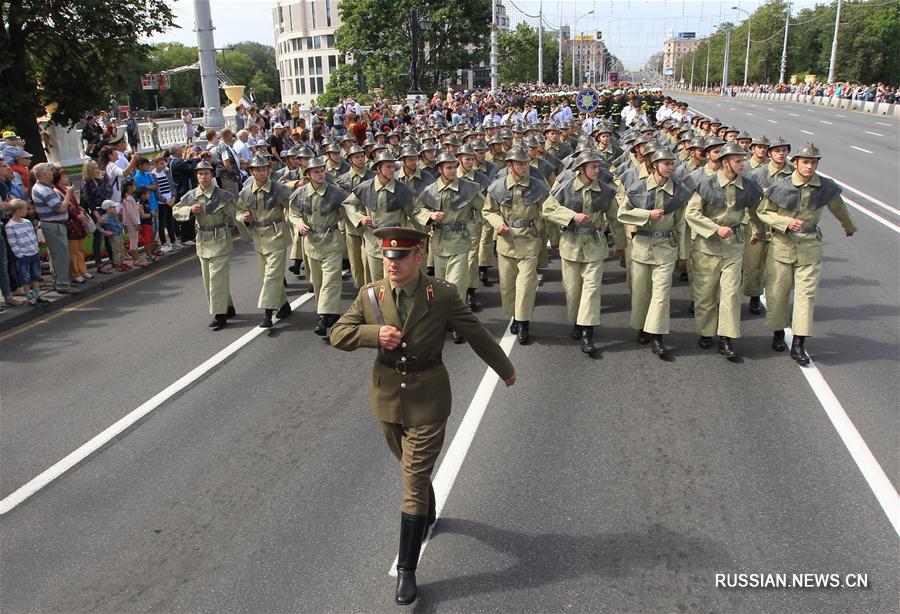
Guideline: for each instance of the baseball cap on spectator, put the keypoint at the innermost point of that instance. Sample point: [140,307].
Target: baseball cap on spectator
[9,134]
[277,126]
[107,204]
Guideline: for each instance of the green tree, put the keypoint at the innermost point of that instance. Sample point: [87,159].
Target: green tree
[381,31]
[262,91]
[68,52]
[343,83]
[519,50]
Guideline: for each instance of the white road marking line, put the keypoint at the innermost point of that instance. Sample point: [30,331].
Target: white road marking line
[874,216]
[732,109]
[841,116]
[860,149]
[772,121]
[880,203]
[811,110]
[822,121]
[111,432]
[874,133]
[808,132]
[793,115]
[882,124]
[753,105]
[872,472]
[446,476]
[769,109]
[750,114]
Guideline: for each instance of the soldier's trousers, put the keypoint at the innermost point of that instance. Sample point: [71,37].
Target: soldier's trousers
[486,246]
[582,282]
[216,283]
[651,290]
[626,261]
[474,280]
[780,278]
[271,268]
[543,260]
[715,289]
[454,269]
[374,267]
[417,448]
[518,286]
[754,268]
[356,257]
[325,276]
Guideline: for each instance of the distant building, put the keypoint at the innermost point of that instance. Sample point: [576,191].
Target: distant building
[675,48]
[305,52]
[589,54]
[480,76]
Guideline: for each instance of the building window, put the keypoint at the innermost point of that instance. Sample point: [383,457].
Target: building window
[332,63]
[298,67]
[309,42]
[319,65]
[312,85]
[329,40]
[312,11]
[301,86]
[312,66]
[291,88]
[317,42]
[320,84]
[328,13]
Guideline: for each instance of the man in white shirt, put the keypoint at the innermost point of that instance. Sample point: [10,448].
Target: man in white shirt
[565,112]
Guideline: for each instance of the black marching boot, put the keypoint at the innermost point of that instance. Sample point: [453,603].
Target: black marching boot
[704,342]
[321,326]
[778,343]
[798,351]
[295,268]
[691,307]
[523,335]
[470,300]
[412,530]
[283,311]
[726,349]
[643,337]
[267,319]
[514,327]
[587,339]
[658,347]
[231,312]
[483,277]
[576,332]
[755,305]
[218,322]
[457,338]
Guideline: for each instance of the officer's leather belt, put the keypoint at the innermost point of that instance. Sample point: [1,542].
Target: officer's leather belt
[451,227]
[406,365]
[321,230]
[255,224]
[212,228]
[581,229]
[807,230]
[654,234]
[520,223]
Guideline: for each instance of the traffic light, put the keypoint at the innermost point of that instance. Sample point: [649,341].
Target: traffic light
[599,35]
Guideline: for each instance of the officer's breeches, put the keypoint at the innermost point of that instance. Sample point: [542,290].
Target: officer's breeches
[325,276]
[271,267]
[780,278]
[454,269]
[486,246]
[715,289]
[651,290]
[754,268]
[417,448]
[355,256]
[216,280]
[582,282]
[518,286]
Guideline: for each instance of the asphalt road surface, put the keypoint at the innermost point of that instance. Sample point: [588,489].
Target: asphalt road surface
[620,483]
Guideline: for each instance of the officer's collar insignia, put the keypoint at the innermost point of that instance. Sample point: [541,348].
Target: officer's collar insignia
[429,292]
[381,293]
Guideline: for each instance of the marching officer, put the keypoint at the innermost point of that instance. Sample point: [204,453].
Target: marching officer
[261,209]
[315,210]
[584,208]
[405,317]
[379,202]
[513,208]
[655,208]
[714,213]
[355,175]
[793,209]
[213,209]
[452,207]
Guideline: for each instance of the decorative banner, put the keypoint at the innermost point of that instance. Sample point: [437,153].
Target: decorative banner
[614,77]
[587,100]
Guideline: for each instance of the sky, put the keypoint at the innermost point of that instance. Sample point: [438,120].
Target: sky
[632,29]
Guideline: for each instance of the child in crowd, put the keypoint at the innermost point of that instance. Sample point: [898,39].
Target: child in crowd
[111,226]
[131,219]
[23,242]
[142,196]
[165,198]
[144,178]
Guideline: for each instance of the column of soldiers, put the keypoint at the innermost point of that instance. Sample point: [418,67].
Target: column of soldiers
[692,198]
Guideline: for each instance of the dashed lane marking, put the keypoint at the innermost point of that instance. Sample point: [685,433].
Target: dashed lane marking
[860,149]
[874,133]
[822,121]
[808,132]
[772,121]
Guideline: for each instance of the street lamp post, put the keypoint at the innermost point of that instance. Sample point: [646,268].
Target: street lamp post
[834,43]
[706,81]
[787,23]
[747,55]
[591,12]
[415,66]
[725,60]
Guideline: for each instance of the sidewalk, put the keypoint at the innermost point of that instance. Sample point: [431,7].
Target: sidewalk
[14,317]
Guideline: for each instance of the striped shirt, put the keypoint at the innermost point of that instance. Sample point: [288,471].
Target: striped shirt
[163,185]
[22,238]
[46,202]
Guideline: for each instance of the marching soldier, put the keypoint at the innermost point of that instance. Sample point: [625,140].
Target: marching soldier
[289,174]
[714,213]
[655,208]
[261,209]
[759,147]
[468,170]
[379,202]
[793,209]
[335,165]
[427,154]
[513,208]
[555,145]
[409,172]
[357,173]
[584,208]
[405,317]
[213,209]
[315,210]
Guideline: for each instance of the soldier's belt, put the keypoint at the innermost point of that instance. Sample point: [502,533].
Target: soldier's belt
[451,227]
[519,223]
[580,229]
[321,230]
[406,365]
[807,230]
[255,224]
[654,234]
[210,228]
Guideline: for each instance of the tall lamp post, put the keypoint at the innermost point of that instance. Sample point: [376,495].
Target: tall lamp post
[415,66]
[747,55]
[575,29]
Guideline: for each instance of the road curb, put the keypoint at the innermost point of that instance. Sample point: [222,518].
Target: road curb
[24,314]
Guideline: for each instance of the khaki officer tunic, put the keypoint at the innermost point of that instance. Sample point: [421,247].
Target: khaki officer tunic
[411,394]
[655,248]
[359,269]
[519,248]
[355,210]
[268,203]
[717,261]
[795,258]
[583,247]
[461,202]
[214,244]
[320,209]
[755,256]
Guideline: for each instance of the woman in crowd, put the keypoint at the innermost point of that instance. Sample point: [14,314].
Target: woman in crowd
[94,190]
[76,230]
